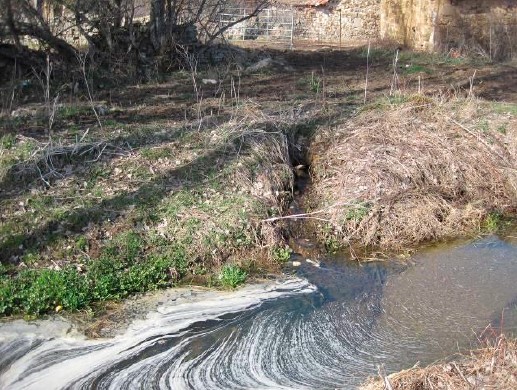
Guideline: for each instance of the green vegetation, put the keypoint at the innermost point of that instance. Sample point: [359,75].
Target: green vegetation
[358,211]
[415,68]
[176,189]
[232,276]
[281,253]
[7,141]
[69,111]
[155,206]
[121,270]
[493,222]
[311,82]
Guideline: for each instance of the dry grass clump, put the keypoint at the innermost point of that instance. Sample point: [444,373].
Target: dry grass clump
[493,367]
[413,170]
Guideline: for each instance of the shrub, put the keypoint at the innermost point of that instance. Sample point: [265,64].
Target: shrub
[232,275]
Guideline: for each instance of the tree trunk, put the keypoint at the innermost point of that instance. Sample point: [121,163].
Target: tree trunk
[158,23]
[39,6]
[9,22]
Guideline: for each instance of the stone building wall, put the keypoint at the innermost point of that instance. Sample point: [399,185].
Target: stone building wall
[488,26]
[345,19]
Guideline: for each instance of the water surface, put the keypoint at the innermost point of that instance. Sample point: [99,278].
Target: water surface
[329,327]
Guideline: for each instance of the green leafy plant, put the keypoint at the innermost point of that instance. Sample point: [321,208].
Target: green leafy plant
[7,141]
[493,222]
[315,83]
[40,291]
[232,275]
[332,244]
[114,275]
[281,253]
[82,243]
[358,211]
[415,68]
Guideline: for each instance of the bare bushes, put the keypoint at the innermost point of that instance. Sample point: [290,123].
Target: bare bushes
[405,172]
[493,367]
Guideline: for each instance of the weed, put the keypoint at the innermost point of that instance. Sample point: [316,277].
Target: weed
[484,126]
[155,153]
[398,99]
[332,244]
[68,112]
[41,203]
[232,275]
[505,108]
[110,123]
[412,69]
[81,243]
[30,257]
[156,272]
[40,291]
[281,253]
[7,141]
[126,247]
[492,222]
[358,211]
[313,82]
[502,129]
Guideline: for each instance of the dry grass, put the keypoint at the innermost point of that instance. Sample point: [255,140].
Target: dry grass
[413,169]
[492,367]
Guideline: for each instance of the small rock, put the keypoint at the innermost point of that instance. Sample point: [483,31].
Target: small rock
[314,263]
[262,64]
[209,81]
[296,263]
[101,110]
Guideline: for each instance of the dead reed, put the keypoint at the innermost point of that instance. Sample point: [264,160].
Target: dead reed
[411,169]
[491,367]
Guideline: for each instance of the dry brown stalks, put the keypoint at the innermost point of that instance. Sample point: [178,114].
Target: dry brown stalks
[418,171]
[492,367]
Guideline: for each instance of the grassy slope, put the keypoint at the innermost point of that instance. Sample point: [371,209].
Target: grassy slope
[158,197]
[100,214]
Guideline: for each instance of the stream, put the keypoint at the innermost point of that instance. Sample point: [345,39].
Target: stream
[328,326]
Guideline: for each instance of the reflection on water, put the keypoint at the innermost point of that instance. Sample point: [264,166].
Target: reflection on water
[289,335]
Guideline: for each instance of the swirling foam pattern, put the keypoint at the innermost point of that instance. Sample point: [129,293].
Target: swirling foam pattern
[284,335]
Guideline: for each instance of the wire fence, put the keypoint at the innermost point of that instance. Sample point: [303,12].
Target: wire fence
[269,25]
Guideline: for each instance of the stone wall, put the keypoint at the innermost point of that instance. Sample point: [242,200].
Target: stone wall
[487,26]
[345,19]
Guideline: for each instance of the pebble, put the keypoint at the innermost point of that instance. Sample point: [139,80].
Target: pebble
[314,263]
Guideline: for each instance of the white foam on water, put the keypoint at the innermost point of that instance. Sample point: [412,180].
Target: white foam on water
[49,355]
[284,335]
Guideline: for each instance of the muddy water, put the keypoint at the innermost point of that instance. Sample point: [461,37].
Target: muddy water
[328,327]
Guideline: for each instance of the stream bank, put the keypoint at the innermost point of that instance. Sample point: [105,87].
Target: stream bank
[413,169]
[328,327]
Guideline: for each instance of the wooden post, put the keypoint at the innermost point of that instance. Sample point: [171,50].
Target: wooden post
[340,28]
[292,29]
